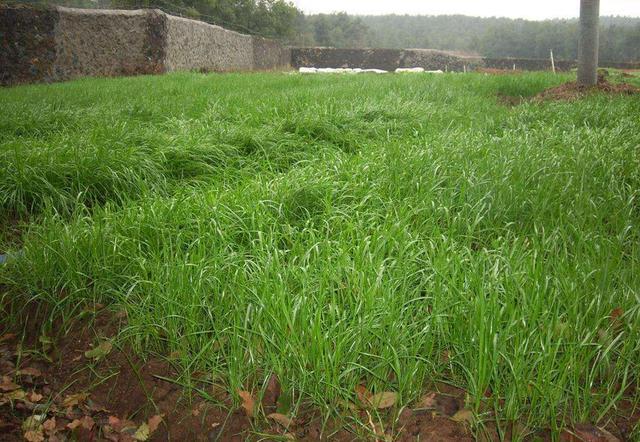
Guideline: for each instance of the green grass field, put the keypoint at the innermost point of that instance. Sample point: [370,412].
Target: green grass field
[339,230]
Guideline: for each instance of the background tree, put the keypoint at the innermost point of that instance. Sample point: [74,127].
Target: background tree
[588,44]
[490,37]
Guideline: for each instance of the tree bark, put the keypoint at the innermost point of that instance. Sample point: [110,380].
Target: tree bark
[589,42]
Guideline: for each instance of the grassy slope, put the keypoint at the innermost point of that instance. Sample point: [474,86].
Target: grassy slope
[339,230]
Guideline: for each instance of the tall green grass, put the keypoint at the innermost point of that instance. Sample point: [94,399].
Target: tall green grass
[341,230]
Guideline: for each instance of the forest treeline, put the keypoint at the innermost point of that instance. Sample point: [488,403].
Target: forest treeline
[490,37]
[502,37]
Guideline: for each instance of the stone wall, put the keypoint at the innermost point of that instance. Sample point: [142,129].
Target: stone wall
[197,45]
[432,60]
[391,59]
[527,64]
[27,44]
[39,44]
[107,42]
[387,59]
[270,55]
[43,44]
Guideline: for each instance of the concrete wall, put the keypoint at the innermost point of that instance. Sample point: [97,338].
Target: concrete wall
[52,44]
[197,45]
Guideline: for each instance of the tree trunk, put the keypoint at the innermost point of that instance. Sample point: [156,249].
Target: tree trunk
[589,42]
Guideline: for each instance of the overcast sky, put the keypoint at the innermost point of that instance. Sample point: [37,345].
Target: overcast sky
[530,9]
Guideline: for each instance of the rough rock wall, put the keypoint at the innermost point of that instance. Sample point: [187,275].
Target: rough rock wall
[195,45]
[387,59]
[52,44]
[108,42]
[433,60]
[527,64]
[390,59]
[27,44]
[270,55]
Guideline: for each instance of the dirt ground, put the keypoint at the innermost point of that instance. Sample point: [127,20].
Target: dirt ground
[573,91]
[53,391]
[56,391]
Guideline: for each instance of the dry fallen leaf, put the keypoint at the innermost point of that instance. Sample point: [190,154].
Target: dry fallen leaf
[383,400]
[29,371]
[154,422]
[616,313]
[33,423]
[16,395]
[49,425]
[608,436]
[428,401]
[34,436]
[87,422]
[272,392]
[248,403]
[100,351]
[35,397]
[115,422]
[74,424]
[7,385]
[463,416]
[142,433]
[7,337]
[617,318]
[96,407]
[74,399]
[363,394]
[283,420]
[588,433]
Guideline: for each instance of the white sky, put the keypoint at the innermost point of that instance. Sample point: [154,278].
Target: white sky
[530,9]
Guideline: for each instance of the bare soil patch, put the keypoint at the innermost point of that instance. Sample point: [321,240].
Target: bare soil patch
[574,91]
[51,390]
[57,394]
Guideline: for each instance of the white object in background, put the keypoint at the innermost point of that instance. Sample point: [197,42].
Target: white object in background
[435,72]
[410,70]
[375,71]
[308,70]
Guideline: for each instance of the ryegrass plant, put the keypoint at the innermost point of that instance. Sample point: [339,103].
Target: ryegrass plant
[341,230]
